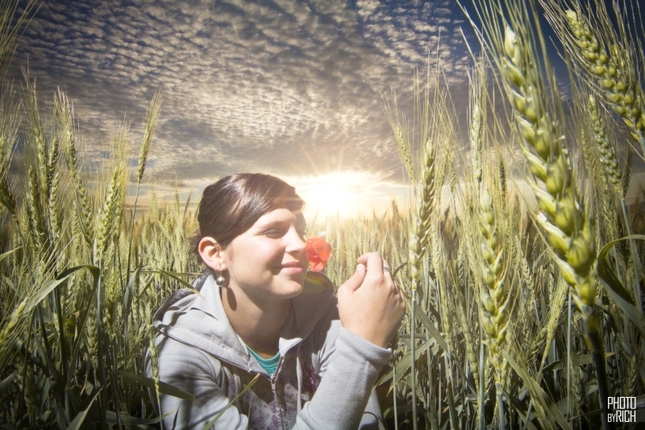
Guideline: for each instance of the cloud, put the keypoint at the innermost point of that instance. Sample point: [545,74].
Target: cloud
[287,86]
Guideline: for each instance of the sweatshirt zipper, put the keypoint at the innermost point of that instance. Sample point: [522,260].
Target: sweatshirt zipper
[273,378]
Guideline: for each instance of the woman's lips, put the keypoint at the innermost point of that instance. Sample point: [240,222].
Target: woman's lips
[295,267]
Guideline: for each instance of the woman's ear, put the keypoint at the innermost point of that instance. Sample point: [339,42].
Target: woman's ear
[211,253]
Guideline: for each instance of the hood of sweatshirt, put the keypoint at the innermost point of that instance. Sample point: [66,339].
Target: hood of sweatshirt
[196,317]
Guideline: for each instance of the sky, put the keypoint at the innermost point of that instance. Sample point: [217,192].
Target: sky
[290,88]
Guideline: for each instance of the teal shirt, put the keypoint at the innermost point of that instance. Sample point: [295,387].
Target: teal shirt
[268,364]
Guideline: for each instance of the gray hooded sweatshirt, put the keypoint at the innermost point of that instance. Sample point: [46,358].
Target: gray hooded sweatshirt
[324,379]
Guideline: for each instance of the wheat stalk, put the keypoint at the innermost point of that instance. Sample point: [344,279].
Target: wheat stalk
[493,295]
[561,213]
[9,125]
[53,207]
[608,157]
[151,122]
[11,323]
[110,214]
[144,150]
[401,139]
[606,58]
[487,251]
[490,262]
[612,170]
[10,26]
[424,189]
[37,133]
[419,235]
[65,117]
[34,210]
[7,198]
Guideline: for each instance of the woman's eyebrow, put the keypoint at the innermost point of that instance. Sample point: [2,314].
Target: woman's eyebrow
[274,223]
[271,224]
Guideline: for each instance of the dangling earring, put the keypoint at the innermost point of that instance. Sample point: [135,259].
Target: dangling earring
[220,280]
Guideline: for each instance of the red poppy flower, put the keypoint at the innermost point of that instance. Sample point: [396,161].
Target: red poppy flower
[318,252]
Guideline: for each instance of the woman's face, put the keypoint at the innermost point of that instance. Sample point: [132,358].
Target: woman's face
[269,260]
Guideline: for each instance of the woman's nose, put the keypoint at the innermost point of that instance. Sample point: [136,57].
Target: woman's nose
[296,241]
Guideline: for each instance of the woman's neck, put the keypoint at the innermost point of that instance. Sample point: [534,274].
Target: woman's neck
[259,325]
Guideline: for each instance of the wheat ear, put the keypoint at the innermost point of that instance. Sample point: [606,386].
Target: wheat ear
[110,213]
[606,59]
[65,112]
[401,139]
[561,215]
[489,263]
[608,157]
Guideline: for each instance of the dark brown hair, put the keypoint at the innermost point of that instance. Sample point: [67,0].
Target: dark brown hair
[233,204]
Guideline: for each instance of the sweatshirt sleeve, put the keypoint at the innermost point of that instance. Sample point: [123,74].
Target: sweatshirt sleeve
[345,398]
[192,371]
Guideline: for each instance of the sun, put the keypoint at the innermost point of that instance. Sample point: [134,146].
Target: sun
[346,193]
[331,194]
[333,198]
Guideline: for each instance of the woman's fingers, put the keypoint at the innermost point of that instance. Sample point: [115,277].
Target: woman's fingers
[374,309]
[386,268]
[377,267]
[356,279]
[372,261]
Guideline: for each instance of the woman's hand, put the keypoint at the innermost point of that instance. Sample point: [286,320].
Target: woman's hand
[369,303]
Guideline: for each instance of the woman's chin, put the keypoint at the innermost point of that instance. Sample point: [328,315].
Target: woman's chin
[288,282]
[293,287]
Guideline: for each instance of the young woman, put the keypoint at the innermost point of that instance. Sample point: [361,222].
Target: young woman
[259,311]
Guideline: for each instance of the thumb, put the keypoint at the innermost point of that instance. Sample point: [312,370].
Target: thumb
[356,279]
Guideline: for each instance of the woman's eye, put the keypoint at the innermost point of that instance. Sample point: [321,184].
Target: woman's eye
[273,233]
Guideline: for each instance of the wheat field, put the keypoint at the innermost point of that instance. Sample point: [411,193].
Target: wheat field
[522,259]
